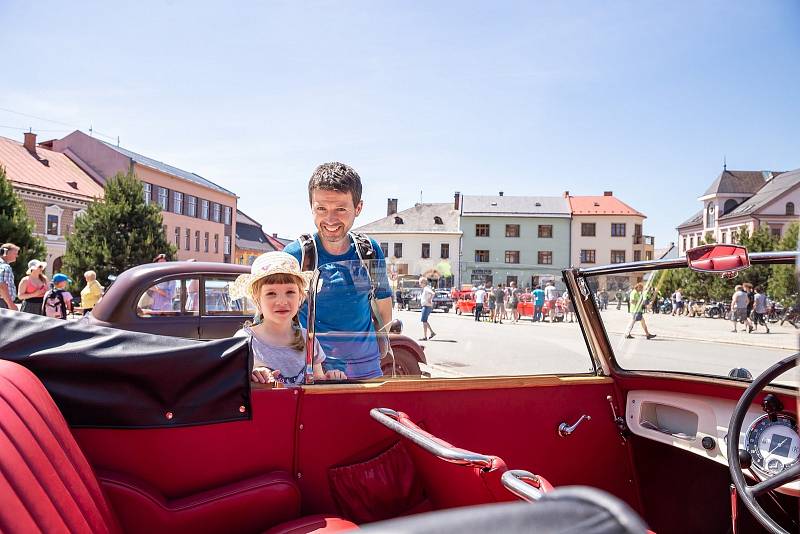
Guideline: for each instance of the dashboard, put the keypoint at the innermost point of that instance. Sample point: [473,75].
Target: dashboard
[700,425]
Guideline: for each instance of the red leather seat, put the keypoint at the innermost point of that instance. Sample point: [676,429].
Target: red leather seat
[46,483]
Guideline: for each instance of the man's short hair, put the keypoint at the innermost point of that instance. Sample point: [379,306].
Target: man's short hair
[335,176]
[5,248]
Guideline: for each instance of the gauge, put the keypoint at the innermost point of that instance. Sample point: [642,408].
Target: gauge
[773,445]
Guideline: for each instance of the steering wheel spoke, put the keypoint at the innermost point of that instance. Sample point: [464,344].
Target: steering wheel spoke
[791,474]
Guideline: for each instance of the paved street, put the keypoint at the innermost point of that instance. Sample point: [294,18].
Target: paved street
[463,347]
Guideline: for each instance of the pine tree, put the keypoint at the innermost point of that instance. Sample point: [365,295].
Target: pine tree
[116,233]
[783,282]
[17,228]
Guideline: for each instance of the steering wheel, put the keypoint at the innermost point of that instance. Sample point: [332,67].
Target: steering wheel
[749,493]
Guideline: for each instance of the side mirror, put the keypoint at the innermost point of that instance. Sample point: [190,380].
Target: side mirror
[396,326]
[718,259]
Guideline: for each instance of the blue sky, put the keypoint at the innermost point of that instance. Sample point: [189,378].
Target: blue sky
[529,98]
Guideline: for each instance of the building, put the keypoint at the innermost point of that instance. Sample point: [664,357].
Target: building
[422,240]
[199,215]
[251,241]
[53,188]
[510,238]
[742,200]
[606,230]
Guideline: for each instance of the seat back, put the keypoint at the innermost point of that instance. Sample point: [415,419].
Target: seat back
[46,484]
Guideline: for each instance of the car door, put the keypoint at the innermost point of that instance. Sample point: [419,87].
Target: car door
[221,316]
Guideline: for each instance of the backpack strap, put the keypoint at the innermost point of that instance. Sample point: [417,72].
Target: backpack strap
[367,255]
[308,252]
[63,304]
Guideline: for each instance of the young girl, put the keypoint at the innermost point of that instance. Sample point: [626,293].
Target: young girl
[277,287]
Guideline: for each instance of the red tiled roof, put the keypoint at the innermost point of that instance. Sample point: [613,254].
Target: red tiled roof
[601,205]
[60,176]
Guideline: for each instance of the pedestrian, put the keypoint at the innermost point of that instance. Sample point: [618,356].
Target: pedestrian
[760,309]
[569,306]
[490,297]
[33,287]
[538,303]
[551,297]
[480,297]
[334,194]
[162,296]
[513,296]
[500,303]
[426,300]
[8,289]
[398,298]
[677,301]
[57,302]
[92,292]
[739,309]
[747,287]
[618,295]
[637,300]
[603,296]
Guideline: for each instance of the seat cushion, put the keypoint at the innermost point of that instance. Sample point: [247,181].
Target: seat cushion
[314,524]
[46,484]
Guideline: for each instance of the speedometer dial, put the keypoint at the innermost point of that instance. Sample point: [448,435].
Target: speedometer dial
[773,445]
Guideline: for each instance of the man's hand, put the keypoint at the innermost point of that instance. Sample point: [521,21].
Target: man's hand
[335,374]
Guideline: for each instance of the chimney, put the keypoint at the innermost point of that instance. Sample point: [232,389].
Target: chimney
[501,193]
[30,142]
[457,201]
[608,193]
[566,194]
[391,207]
[275,236]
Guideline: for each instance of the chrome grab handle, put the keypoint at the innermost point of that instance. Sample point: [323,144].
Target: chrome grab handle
[514,481]
[389,418]
[564,430]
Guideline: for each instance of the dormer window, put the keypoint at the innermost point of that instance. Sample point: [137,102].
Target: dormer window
[437,220]
[790,208]
[398,220]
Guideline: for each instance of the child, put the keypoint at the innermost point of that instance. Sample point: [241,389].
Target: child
[278,287]
[57,300]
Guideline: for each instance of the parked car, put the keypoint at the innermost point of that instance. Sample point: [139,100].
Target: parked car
[201,307]
[442,300]
[413,299]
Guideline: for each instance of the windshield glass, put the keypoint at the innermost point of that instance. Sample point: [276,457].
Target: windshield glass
[441,333]
[690,322]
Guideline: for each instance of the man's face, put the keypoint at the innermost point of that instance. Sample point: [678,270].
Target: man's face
[11,255]
[334,214]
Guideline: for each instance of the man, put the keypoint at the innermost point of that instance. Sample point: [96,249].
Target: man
[163,294]
[513,298]
[551,296]
[637,301]
[334,193]
[500,304]
[538,303]
[8,289]
[480,298]
[739,303]
[677,298]
[426,300]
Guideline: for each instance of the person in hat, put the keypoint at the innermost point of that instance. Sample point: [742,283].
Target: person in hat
[277,286]
[8,289]
[33,287]
[57,302]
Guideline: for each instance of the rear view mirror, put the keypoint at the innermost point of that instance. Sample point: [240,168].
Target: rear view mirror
[718,259]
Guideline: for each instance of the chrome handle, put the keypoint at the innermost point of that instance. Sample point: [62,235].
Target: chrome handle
[514,481]
[564,430]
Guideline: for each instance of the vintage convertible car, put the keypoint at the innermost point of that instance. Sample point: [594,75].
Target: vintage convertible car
[158,434]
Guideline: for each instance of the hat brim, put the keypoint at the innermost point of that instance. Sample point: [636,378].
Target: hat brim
[43,265]
[243,285]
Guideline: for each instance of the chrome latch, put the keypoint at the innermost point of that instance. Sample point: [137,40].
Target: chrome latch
[564,430]
[584,288]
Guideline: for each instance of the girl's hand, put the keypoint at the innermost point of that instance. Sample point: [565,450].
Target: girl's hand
[335,375]
[264,375]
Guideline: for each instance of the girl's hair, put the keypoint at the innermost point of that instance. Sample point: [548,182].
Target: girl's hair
[298,342]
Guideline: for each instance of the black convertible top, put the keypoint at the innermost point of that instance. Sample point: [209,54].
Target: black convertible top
[104,377]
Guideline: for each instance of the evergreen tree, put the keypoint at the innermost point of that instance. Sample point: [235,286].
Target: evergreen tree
[17,228]
[783,282]
[116,233]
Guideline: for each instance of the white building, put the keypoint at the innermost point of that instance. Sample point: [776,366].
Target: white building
[739,200]
[422,240]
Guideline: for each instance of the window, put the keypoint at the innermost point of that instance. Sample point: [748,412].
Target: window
[216,243]
[188,240]
[191,206]
[637,255]
[177,202]
[218,301]
[217,212]
[166,299]
[481,256]
[512,256]
[775,231]
[398,250]
[544,257]
[546,230]
[684,244]
[53,215]
[481,230]
[617,256]
[437,220]
[226,244]
[724,237]
[227,214]
[588,256]
[445,252]
[617,229]
[204,209]
[426,250]
[637,230]
[385,249]
[648,255]
[163,197]
[588,229]
[52,224]
[512,230]
[710,215]
[511,278]
[197,241]
[691,242]
[206,243]
[178,237]
[148,192]
[790,208]
[398,220]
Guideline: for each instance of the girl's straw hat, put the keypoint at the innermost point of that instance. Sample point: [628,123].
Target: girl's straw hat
[267,264]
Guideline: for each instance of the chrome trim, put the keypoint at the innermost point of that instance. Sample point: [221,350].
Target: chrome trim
[565,430]
[677,263]
[514,481]
[389,418]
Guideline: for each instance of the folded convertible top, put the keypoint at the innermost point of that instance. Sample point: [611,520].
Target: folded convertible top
[104,377]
